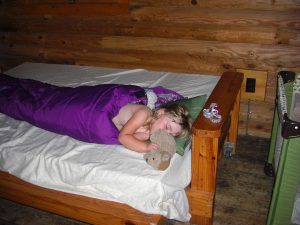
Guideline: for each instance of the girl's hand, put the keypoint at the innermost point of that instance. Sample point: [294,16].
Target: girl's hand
[151,146]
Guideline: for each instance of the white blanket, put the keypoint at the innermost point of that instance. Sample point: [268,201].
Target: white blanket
[108,172]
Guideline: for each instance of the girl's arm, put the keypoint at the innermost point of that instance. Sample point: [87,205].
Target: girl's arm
[127,133]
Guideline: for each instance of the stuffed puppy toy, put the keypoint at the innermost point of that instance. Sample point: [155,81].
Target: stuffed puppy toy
[160,159]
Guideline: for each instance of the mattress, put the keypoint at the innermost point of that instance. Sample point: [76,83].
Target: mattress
[108,172]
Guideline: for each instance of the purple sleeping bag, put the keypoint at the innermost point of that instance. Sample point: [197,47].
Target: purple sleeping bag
[84,113]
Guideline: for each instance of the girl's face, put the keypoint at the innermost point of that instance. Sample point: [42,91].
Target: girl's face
[166,123]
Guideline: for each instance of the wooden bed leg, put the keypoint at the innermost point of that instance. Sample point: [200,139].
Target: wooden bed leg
[201,207]
[233,130]
[206,146]
[203,184]
[201,220]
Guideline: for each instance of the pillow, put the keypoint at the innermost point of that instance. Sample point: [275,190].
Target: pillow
[194,106]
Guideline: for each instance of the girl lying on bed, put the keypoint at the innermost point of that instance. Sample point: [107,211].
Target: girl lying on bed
[136,122]
[104,114]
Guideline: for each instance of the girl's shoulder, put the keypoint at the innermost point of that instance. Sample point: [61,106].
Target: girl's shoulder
[137,107]
[136,110]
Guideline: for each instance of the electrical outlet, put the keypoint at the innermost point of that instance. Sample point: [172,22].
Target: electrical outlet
[250,85]
[254,84]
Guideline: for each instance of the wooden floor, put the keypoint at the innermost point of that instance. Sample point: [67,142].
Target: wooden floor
[243,192]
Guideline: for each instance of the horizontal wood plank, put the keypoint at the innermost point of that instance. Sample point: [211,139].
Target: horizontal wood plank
[184,62]
[75,206]
[76,1]
[112,26]
[236,4]
[284,19]
[192,55]
[76,9]
[253,55]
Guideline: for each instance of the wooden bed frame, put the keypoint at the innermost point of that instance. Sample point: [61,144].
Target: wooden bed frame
[208,139]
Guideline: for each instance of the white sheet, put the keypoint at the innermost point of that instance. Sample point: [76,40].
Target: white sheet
[109,172]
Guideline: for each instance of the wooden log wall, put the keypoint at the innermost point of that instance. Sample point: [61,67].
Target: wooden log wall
[198,36]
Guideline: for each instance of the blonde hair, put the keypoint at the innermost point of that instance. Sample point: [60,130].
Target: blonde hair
[178,114]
